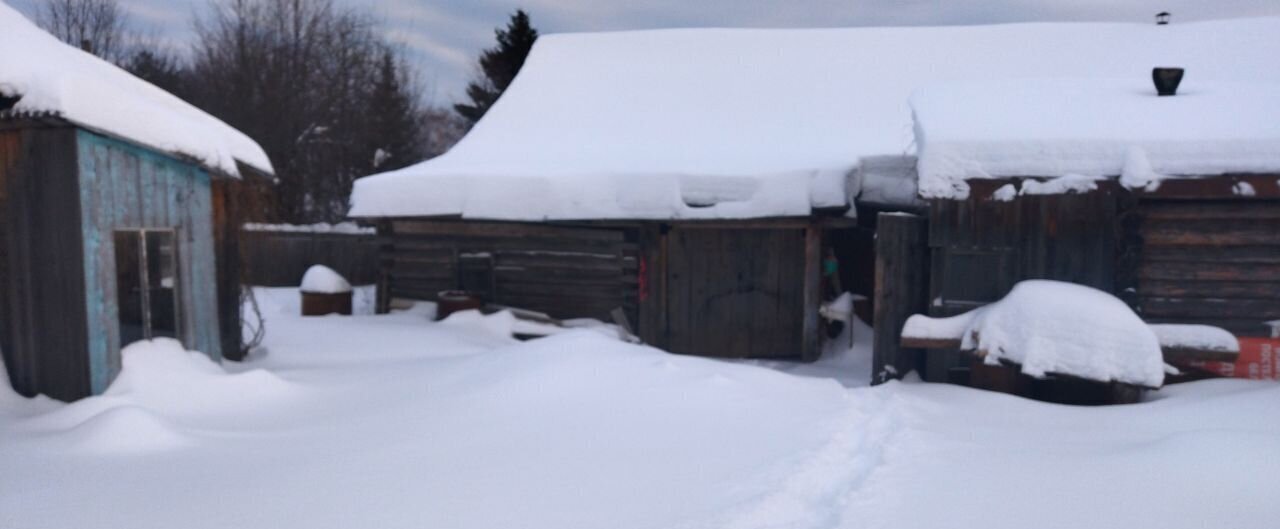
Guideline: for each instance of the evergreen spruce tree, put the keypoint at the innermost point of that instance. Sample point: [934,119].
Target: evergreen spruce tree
[499,65]
[393,119]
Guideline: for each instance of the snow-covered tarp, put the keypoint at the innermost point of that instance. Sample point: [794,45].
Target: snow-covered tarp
[1056,327]
[51,76]
[704,123]
[1077,130]
[1201,337]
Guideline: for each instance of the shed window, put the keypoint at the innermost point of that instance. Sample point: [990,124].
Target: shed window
[146,284]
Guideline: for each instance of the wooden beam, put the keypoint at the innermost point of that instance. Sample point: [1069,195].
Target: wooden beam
[930,343]
[1170,354]
[651,301]
[382,299]
[811,346]
[1174,355]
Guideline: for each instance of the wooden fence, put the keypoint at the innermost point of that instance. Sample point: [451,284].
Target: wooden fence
[279,258]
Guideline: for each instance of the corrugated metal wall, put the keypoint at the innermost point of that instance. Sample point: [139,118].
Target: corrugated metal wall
[41,277]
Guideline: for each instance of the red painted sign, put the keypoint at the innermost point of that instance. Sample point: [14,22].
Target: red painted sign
[1259,360]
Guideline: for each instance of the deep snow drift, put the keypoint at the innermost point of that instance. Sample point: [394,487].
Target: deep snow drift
[395,421]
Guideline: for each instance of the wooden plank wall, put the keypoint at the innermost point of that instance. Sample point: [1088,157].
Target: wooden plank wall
[278,259]
[564,271]
[125,186]
[42,290]
[981,247]
[1210,262]
[901,289]
[228,216]
[739,292]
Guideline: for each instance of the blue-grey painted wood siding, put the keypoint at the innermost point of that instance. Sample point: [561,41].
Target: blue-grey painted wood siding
[124,186]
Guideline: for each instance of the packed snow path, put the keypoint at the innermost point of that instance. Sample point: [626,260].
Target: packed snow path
[393,421]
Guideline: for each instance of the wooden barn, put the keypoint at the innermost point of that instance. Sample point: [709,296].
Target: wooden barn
[713,183]
[1170,203]
[106,214]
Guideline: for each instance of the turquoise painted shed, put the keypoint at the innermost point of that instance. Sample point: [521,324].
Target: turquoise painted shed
[113,207]
[105,242]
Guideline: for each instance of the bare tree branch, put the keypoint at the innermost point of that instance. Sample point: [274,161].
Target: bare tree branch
[96,26]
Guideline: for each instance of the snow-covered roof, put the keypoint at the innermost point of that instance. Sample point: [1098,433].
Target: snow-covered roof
[625,124]
[1094,128]
[54,77]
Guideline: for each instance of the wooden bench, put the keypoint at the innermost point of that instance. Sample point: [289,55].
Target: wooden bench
[1007,377]
[1173,354]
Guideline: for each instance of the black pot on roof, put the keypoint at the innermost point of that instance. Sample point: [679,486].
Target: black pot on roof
[1167,80]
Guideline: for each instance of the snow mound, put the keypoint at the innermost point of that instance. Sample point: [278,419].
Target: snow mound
[125,429]
[502,323]
[161,375]
[344,228]
[1056,327]
[1080,130]
[320,279]
[53,77]
[1195,337]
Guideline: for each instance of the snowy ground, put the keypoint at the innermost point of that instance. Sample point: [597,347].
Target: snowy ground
[394,421]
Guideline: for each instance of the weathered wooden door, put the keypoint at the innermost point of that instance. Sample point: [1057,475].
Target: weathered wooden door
[735,292]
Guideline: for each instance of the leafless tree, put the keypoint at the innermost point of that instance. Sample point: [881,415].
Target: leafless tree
[96,26]
[302,77]
[442,128]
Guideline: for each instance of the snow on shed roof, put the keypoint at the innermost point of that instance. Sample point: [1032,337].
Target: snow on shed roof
[54,77]
[1094,128]
[604,125]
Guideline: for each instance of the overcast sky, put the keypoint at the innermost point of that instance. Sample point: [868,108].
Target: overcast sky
[444,36]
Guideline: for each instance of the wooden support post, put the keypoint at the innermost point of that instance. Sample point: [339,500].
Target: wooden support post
[811,348]
[382,301]
[651,285]
[902,289]
[228,216]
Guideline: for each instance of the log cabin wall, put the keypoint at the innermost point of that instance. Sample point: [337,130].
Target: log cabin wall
[564,271]
[1214,262]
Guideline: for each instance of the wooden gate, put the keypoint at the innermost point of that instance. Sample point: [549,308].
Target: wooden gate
[735,292]
[902,289]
